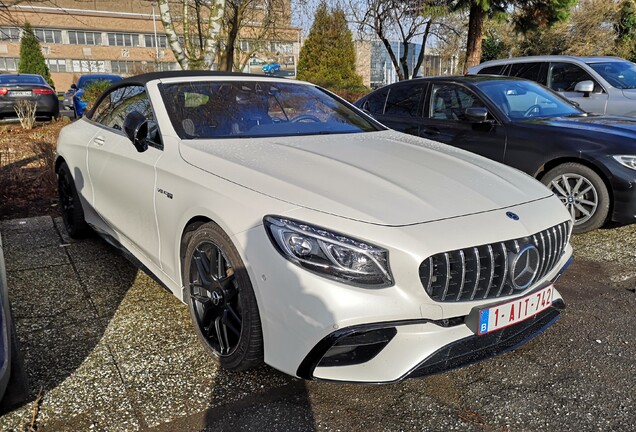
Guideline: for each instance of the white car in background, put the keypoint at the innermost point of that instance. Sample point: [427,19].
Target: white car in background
[302,233]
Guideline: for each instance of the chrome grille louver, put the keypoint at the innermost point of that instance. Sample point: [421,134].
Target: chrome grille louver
[482,272]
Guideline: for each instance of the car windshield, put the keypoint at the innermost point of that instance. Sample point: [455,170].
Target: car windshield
[525,99]
[86,81]
[241,109]
[618,73]
[22,79]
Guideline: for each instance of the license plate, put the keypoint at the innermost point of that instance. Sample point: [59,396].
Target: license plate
[515,311]
[20,93]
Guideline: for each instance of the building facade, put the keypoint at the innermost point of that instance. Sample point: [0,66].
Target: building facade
[124,37]
[376,68]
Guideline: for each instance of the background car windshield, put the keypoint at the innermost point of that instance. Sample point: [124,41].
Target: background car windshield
[619,74]
[522,100]
[212,109]
[21,79]
[85,82]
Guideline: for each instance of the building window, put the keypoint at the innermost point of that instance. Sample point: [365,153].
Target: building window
[11,34]
[56,65]
[84,38]
[123,39]
[282,47]
[88,66]
[48,36]
[120,67]
[9,64]
[161,39]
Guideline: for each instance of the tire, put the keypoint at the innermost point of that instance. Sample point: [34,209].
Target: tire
[583,192]
[221,299]
[70,204]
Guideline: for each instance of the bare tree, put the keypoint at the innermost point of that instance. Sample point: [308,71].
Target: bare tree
[199,22]
[407,21]
[258,20]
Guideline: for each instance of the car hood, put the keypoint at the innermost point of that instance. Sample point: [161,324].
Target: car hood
[384,178]
[629,93]
[623,126]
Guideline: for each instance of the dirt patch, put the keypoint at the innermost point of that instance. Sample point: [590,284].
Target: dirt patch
[27,181]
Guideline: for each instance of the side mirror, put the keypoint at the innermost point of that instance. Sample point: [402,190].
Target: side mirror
[476,114]
[136,128]
[585,87]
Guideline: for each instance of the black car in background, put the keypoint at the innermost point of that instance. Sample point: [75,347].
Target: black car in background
[588,161]
[34,88]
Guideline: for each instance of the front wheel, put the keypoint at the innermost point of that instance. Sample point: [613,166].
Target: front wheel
[69,201]
[583,193]
[221,299]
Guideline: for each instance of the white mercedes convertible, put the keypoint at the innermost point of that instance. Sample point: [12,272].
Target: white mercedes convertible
[303,234]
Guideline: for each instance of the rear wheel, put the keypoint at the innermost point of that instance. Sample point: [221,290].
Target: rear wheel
[221,300]
[583,193]
[72,212]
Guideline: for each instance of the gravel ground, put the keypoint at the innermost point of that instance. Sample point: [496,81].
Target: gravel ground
[111,350]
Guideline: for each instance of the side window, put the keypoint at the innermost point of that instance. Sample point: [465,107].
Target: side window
[375,103]
[404,100]
[114,108]
[564,76]
[536,72]
[492,70]
[449,102]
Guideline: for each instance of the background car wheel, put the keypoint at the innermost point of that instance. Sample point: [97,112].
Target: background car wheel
[222,304]
[70,204]
[582,192]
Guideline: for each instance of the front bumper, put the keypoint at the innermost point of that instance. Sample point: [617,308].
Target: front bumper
[623,191]
[428,341]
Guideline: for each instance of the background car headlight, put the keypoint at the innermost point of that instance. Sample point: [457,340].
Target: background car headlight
[626,160]
[330,254]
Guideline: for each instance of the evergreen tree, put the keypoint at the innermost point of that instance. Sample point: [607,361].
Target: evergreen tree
[328,56]
[31,58]
[626,30]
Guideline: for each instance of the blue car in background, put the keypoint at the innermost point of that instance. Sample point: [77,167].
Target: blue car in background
[270,68]
[79,104]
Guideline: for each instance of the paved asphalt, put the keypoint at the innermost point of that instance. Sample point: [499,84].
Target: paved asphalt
[111,350]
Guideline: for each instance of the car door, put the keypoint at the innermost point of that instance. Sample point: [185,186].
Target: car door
[123,179]
[563,77]
[445,121]
[401,110]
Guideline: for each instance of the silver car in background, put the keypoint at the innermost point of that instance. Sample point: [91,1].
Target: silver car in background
[600,85]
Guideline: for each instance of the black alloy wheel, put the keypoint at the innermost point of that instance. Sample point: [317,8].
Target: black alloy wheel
[70,205]
[221,300]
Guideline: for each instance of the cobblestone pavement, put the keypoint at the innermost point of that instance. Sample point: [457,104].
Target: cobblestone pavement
[111,350]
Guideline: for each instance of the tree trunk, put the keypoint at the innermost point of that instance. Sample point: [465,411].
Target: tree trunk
[403,60]
[475,35]
[232,36]
[394,60]
[420,57]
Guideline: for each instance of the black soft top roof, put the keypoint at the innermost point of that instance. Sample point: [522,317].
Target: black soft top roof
[144,78]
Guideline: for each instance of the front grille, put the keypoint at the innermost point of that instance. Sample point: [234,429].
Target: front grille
[483,272]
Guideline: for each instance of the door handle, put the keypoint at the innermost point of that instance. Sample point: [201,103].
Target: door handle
[98,141]
[431,131]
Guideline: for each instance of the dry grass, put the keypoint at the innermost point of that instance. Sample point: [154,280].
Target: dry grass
[27,180]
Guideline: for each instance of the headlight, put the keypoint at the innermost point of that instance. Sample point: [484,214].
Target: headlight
[330,254]
[626,160]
